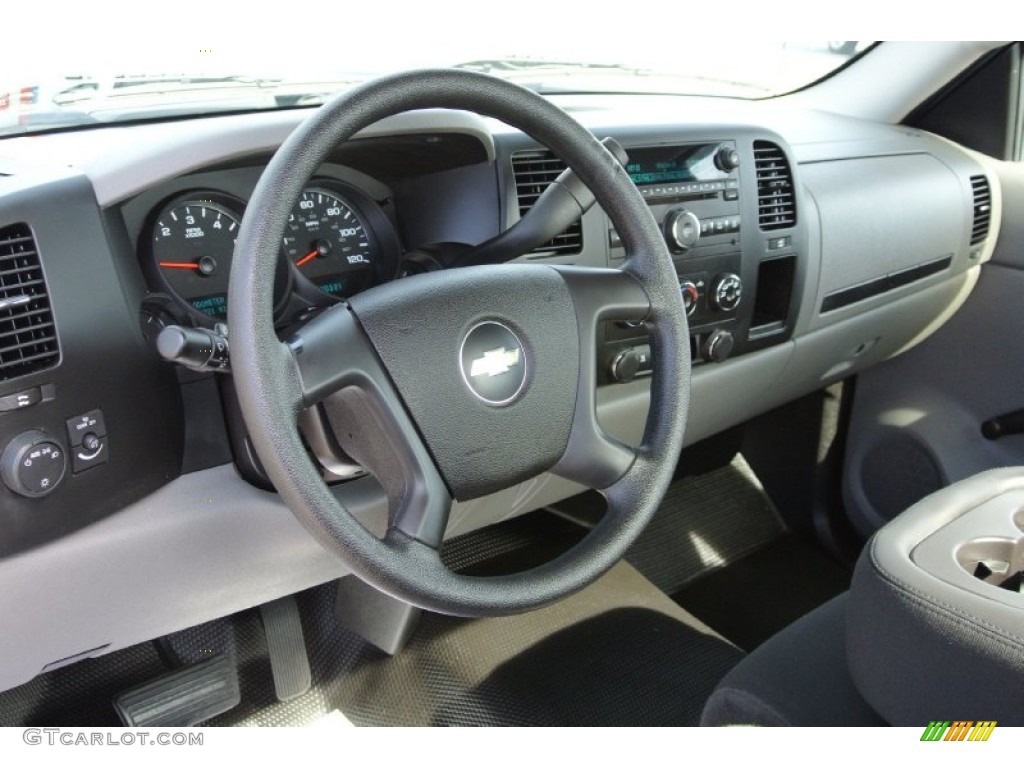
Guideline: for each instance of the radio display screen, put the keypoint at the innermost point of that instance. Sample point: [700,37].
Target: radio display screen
[661,165]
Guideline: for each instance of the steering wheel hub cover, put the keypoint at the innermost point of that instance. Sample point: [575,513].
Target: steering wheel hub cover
[448,339]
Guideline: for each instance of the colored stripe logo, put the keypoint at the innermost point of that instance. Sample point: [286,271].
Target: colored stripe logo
[958,730]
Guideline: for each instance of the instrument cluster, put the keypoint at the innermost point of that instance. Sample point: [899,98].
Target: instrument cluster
[337,242]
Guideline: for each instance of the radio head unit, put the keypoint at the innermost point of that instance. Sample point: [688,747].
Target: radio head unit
[672,164]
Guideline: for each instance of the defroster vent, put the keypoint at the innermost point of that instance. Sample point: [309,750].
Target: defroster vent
[776,196]
[28,339]
[982,208]
[533,172]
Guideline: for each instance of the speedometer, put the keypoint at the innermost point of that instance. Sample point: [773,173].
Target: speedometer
[328,241]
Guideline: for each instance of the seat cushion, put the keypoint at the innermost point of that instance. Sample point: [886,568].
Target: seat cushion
[798,677]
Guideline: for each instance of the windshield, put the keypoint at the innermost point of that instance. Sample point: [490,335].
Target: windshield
[149,71]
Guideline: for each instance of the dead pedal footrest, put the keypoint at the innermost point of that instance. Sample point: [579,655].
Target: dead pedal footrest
[182,698]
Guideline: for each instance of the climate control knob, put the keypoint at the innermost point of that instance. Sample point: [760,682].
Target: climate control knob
[682,229]
[690,295]
[33,464]
[726,292]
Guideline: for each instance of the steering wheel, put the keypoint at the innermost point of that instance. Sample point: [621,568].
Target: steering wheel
[455,384]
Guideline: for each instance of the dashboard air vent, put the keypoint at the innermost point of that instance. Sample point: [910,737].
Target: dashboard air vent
[982,208]
[533,172]
[776,201]
[28,339]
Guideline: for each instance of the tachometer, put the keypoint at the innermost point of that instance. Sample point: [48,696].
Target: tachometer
[329,242]
[192,247]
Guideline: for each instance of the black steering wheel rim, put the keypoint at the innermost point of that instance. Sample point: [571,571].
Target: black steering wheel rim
[267,378]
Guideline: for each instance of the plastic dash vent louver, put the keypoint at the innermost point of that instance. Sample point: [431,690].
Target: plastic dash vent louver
[776,199]
[533,172]
[28,339]
[982,208]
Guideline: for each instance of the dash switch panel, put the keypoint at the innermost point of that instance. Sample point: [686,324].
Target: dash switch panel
[87,435]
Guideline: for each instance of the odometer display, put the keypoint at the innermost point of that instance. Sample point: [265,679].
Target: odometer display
[328,241]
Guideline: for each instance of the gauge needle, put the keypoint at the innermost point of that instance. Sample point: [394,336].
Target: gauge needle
[179,264]
[307,258]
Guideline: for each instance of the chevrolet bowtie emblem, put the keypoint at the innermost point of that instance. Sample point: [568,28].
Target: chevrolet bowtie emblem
[494,362]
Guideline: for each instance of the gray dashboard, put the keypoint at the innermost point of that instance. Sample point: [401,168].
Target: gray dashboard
[183,536]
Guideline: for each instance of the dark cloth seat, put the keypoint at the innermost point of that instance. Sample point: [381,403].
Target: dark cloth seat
[798,677]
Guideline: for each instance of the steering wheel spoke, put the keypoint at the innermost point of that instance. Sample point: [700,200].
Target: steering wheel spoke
[335,365]
[592,457]
[328,353]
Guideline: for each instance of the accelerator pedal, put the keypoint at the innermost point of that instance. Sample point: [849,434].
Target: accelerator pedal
[182,698]
[287,648]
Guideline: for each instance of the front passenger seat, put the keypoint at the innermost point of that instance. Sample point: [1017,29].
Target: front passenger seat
[798,677]
[932,622]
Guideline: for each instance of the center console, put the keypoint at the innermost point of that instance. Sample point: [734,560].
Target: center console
[728,212]
[935,627]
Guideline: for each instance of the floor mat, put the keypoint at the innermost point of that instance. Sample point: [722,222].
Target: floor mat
[705,523]
[514,545]
[756,596]
[619,652]
[80,695]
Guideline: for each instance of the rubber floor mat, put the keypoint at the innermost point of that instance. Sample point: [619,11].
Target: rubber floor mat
[619,652]
[704,523]
[80,695]
[760,594]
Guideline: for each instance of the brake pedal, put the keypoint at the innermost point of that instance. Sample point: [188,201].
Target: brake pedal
[182,698]
[287,648]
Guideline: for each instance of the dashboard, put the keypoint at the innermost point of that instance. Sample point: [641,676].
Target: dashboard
[807,247]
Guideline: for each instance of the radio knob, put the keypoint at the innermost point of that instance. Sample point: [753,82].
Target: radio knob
[718,346]
[625,366]
[727,159]
[682,229]
[726,292]
[690,296]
